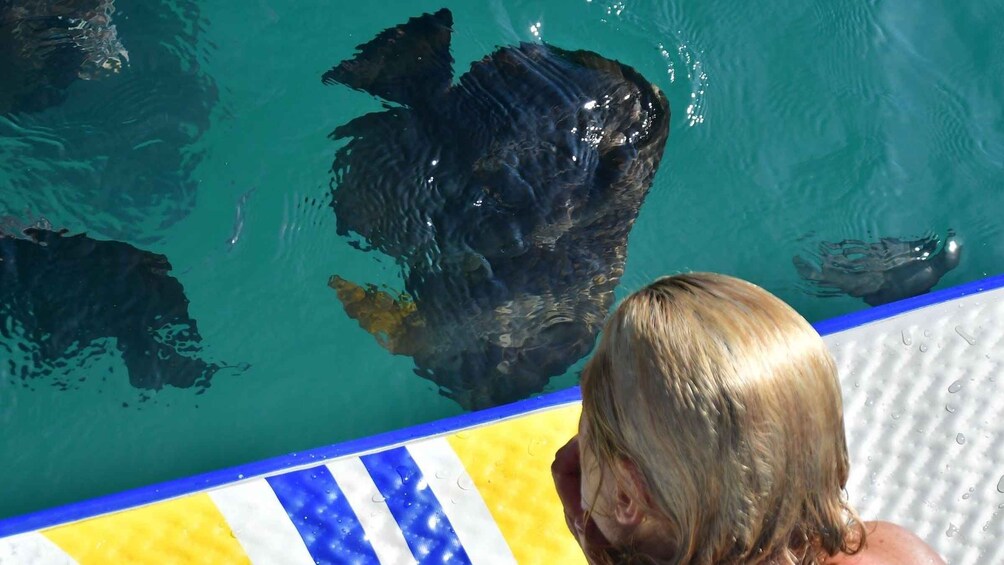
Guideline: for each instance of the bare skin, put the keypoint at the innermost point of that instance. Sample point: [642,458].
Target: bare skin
[890,544]
[887,543]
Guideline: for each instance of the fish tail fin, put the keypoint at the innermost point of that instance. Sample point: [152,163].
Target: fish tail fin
[806,270]
[386,317]
[409,64]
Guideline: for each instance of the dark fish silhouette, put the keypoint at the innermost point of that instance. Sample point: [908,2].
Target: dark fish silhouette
[45,45]
[112,157]
[64,292]
[880,272]
[507,199]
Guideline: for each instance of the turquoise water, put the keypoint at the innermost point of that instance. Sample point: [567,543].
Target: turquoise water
[792,124]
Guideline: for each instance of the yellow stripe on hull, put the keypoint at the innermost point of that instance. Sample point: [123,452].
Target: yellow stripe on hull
[184,530]
[510,465]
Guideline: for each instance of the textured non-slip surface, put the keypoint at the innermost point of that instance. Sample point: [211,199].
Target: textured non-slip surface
[481,495]
[924,406]
[924,401]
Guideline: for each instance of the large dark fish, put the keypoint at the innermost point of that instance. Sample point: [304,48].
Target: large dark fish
[45,45]
[62,293]
[880,272]
[507,198]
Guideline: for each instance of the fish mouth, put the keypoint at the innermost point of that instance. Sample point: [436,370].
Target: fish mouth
[952,251]
[653,113]
[654,125]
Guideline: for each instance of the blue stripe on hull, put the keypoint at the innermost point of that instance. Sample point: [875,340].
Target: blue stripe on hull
[328,525]
[426,528]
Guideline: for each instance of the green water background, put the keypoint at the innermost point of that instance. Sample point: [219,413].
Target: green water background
[793,122]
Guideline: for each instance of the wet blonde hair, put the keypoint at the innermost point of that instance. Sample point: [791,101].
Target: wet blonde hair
[727,403]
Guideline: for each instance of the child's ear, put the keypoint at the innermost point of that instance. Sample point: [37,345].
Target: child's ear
[632,494]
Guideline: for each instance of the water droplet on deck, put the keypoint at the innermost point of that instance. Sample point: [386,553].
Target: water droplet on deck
[955,387]
[970,339]
[950,409]
[923,347]
[907,340]
[952,530]
[927,333]
[404,473]
[960,439]
[442,475]
[465,482]
[538,445]
[1000,489]
[379,498]
[240,476]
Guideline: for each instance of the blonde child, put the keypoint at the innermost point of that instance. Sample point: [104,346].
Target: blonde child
[712,432]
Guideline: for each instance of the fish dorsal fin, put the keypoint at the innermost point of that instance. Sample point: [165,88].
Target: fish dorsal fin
[409,64]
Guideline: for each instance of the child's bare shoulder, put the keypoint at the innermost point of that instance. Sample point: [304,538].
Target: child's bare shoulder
[890,544]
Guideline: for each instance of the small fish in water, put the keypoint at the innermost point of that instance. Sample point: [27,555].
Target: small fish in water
[64,292]
[880,272]
[240,216]
[47,44]
[506,197]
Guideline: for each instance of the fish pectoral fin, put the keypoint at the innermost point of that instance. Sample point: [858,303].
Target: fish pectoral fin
[388,318]
[409,64]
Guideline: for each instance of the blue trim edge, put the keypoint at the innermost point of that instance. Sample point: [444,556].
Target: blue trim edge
[862,317]
[188,485]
